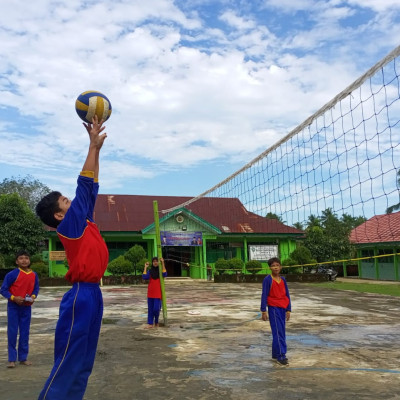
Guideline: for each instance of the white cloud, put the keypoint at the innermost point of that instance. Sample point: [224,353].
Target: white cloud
[376,5]
[290,5]
[184,92]
[236,21]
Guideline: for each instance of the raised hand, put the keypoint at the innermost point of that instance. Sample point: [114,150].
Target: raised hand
[95,130]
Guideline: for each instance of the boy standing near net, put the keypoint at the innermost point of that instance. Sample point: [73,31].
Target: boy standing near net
[81,309]
[20,287]
[275,295]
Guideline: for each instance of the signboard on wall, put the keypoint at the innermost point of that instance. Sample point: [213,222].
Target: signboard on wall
[57,255]
[262,252]
[181,238]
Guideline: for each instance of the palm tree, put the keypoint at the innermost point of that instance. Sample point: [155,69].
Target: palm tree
[272,215]
[395,207]
[298,225]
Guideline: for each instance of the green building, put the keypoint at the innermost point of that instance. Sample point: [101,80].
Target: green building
[379,236]
[193,237]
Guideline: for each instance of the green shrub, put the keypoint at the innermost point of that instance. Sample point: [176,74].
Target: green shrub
[235,263]
[221,265]
[40,268]
[302,255]
[253,266]
[36,258]
[135,255]
[120,266]
[288,262]
[9,261]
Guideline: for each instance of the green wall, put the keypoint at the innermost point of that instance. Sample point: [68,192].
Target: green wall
[380,268]
[214,247]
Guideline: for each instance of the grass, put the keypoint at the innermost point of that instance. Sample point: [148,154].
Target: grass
[378,288]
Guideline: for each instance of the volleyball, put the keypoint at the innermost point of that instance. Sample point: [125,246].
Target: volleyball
[91,103]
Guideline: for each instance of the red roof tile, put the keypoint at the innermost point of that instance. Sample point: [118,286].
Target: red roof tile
[378,229]
[121,213]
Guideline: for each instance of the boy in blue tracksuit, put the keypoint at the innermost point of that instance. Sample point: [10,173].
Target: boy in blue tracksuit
[81,309]
[275,295]
[20,287]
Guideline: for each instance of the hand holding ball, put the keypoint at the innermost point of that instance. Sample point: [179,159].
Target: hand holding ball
[91,103]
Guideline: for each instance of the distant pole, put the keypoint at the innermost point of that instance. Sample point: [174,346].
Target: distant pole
[159,255]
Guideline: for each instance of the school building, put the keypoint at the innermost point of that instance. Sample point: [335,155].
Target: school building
[379,236]
[193,237]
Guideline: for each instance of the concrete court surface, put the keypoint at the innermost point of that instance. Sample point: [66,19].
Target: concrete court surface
[341,345]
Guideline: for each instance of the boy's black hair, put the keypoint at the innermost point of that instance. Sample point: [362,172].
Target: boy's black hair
[21,253]
[47,207]
[274,259]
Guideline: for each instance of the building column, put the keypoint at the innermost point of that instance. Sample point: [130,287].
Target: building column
[204,257]
[246,254]
[376,263]
[52,246]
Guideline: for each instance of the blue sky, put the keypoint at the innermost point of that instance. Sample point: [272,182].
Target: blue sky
[198,88]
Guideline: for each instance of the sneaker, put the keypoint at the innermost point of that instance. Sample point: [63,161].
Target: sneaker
[284,361]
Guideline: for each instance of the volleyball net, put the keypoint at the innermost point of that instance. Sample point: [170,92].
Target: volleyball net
[341,164]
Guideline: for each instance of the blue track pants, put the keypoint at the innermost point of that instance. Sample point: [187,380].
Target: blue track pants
[18,319]
[277,320]
[75,345]
[154,307]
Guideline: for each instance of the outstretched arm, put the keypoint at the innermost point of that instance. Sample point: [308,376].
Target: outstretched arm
[96,142]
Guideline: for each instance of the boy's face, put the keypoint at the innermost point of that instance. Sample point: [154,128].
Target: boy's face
[275,268]
[64,203]
[23,261]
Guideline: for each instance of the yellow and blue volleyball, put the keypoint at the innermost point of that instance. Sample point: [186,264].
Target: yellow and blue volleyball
[91,103]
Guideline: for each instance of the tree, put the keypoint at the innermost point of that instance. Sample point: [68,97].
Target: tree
[313,221]
[300,256]
[272,215]
[327,236]
[135,255]
[19,227]
[299,226]
[29,188]
[253,266]
[352,222]
[120,266]
[395,207]
[221,265]
[235,264]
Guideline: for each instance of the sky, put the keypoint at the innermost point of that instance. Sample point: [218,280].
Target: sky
[198,87]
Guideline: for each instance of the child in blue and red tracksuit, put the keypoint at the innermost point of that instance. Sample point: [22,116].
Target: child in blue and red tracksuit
[81,308]
[20,287]
[275,295]
[154,295]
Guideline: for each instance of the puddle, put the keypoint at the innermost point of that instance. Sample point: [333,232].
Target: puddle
[308,339]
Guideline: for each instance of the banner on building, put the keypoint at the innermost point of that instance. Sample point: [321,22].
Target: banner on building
[262,252]
[181,238]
